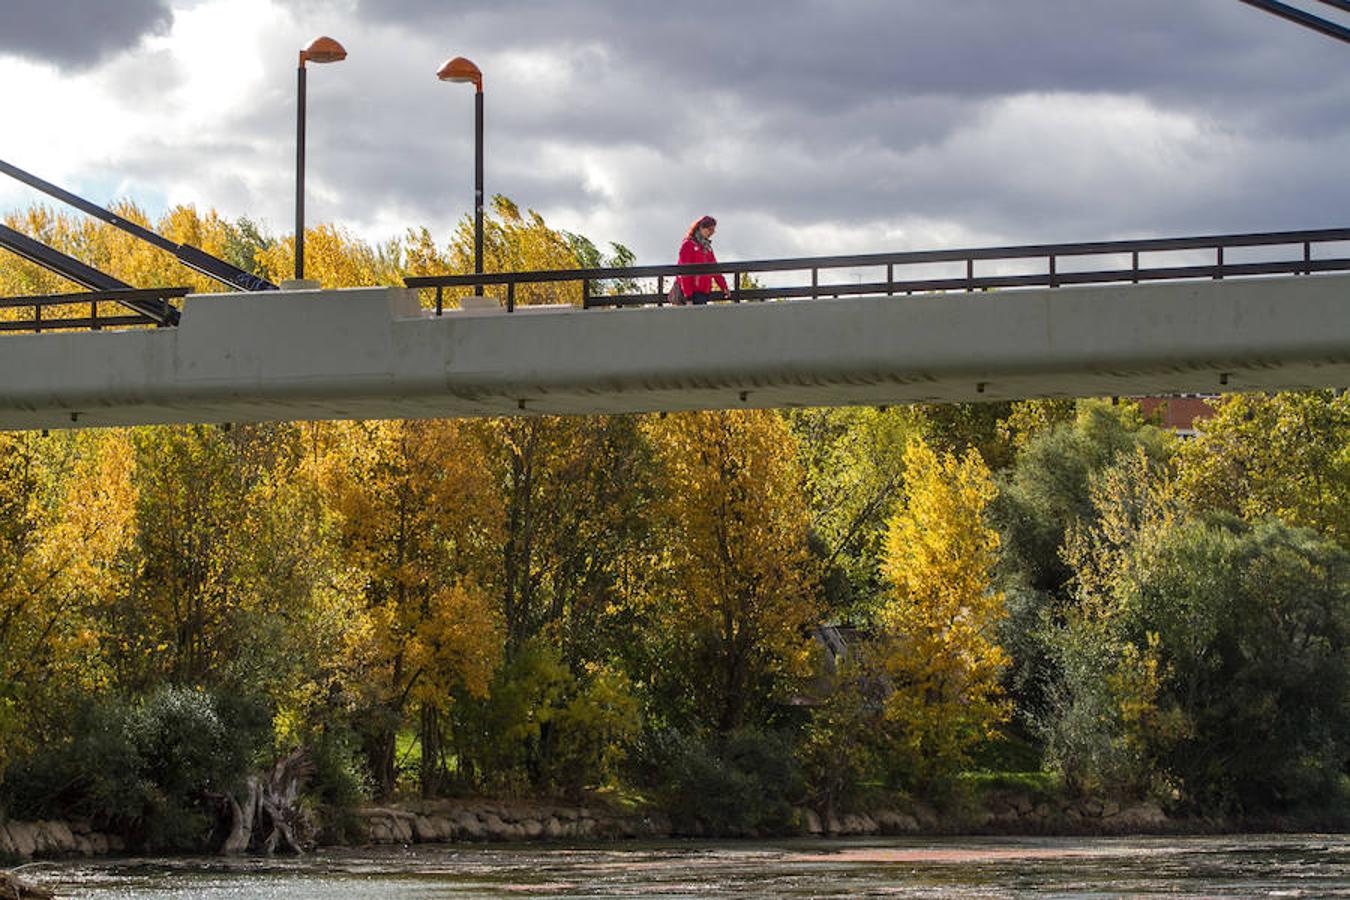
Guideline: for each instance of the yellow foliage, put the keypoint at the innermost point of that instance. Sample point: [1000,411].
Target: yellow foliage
[1285,455]
[66,517]
[333,258]
[740,586]
[419,517]
[938,629]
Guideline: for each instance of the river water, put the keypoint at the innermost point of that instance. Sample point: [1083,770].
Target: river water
[1246,866]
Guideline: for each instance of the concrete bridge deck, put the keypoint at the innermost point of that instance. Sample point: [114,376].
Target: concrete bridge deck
[374,353]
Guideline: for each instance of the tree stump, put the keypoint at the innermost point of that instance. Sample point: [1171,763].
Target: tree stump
[270,819]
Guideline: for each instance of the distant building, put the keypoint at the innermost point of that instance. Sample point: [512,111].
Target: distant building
[1179,412]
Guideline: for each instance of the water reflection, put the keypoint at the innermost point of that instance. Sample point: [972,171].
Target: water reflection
[1248,866]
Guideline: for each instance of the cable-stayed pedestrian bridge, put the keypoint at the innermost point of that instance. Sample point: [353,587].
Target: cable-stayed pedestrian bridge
[1202,314]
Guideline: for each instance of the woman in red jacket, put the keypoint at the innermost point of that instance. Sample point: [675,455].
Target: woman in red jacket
[697,248]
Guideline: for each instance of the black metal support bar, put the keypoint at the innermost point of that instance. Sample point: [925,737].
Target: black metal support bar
[54,260]
[478,182]
[300,169]
[1306,19]
[188,255]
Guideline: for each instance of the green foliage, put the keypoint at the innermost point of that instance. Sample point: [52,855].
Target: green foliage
[958,427]
[339,783]
[1041,499]
[1203,656]
[1253,625]
[545,729]
[744,782]
[244,245]
[853,462]
[145,769]
[844,744]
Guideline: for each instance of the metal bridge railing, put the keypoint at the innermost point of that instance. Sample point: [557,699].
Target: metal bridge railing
[148,306]
[614,287]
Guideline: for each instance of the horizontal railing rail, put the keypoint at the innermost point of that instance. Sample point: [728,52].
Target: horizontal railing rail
[1054,276]
[155,301]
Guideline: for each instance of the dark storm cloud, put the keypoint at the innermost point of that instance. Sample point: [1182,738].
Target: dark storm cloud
[77,33]
[823,54]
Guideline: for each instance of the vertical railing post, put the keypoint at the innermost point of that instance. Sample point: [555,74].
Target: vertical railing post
[1307,257]
[93,316]
[510,296]
[890,279]
[735,294]
[585,293]
[440,298]
[1218,272]
[660,290]
[815,284]
[1054,280]
[970,274]
[1134,266]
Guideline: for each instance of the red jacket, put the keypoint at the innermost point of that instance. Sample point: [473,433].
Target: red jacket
[691,251]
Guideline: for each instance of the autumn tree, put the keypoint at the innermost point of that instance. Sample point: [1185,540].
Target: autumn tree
[853,461]
[1282,455]
[939,628]
[420,520]
[1041,498]
[736,590]
[65,520]
[1103,720]
[1203,658]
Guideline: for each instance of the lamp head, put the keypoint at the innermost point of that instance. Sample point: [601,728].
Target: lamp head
[323,50]
[461,70]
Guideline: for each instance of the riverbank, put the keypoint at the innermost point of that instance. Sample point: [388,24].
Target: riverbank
[999,813]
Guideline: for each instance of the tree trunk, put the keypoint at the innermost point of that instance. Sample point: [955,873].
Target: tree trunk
[430,769]
[271,817]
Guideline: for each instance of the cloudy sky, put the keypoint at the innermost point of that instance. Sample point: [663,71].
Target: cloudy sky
[806,126]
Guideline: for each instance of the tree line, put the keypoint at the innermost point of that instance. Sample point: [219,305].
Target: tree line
[728,614]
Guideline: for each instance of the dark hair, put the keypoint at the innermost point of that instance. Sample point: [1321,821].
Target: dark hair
[701,222]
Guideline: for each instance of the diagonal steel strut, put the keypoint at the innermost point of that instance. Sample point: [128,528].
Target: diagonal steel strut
[1306,19]
[188,255]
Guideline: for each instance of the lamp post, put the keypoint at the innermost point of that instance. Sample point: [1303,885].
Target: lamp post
[320,50]
[461,70]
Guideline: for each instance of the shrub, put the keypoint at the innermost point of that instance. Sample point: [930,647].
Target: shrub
[744,782]
[145,770]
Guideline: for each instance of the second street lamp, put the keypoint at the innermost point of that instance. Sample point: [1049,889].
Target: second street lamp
[461,70]
[320,50]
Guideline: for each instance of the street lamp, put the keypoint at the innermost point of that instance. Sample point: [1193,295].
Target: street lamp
[461,70]
[320,50]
